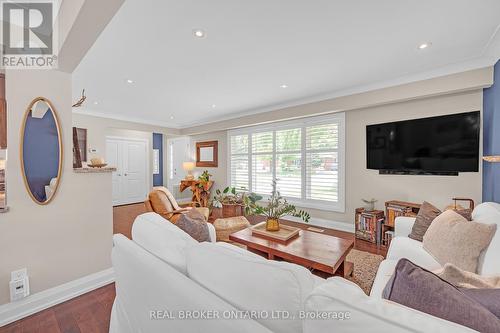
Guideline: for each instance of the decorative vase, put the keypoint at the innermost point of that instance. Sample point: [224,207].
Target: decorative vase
[272,225]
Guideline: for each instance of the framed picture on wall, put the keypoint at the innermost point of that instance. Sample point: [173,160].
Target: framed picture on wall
[207,154]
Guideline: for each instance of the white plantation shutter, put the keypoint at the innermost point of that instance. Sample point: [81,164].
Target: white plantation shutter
[322,143]
[305,157]
[239,162]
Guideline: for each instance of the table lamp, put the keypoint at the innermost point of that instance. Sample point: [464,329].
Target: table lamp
[492,159]
[188,167]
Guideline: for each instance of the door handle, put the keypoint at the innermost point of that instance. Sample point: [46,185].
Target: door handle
[125,175]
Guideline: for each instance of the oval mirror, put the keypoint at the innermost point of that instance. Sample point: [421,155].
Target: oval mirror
[41,151]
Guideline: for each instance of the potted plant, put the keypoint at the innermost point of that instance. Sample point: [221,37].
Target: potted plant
[276,208]
[229,200]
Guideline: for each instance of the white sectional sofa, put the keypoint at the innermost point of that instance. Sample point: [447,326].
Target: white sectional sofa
[404,247]
[164,276]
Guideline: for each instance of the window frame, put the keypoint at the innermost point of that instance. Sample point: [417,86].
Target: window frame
[302,123]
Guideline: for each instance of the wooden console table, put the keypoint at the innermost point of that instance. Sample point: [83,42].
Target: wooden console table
[201,191]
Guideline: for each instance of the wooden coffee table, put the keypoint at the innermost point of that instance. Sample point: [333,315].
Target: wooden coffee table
[323,254]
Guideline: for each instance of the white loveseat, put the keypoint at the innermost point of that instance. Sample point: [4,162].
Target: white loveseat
[404,247]
[163,276]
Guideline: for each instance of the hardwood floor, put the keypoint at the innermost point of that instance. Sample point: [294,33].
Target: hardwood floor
[90,313]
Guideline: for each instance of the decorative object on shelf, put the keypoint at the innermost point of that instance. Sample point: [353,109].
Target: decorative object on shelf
[369,204]
[207,154]
[276,208]
[368,225]
[41,150]
[188,167]
[97,162]
[79,146]
[200,189]
[80,101]
[492,159]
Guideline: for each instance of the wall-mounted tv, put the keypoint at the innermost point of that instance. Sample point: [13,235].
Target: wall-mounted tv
[444,145]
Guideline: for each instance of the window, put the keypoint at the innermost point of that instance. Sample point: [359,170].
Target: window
[305,156]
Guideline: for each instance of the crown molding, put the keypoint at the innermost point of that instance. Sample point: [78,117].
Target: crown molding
[145,121]
[478,63]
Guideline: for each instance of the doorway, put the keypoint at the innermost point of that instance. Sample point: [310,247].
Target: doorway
[179,151]
[131,178]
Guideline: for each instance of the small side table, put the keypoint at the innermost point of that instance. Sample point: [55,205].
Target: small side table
[201,191]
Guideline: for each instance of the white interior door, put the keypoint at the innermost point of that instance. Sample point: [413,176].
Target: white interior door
[130,181]
[179,151]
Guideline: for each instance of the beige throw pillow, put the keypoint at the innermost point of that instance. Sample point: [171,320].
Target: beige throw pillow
[452,239]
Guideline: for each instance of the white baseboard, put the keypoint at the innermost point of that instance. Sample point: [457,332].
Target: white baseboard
[13,311]
[341,226]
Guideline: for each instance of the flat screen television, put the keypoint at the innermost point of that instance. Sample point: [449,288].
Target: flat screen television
[437,145]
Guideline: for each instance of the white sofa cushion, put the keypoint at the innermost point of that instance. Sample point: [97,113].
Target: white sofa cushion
[367,314]
[384,274]
[404,247]
[489,213]
[252,283]
[163,239]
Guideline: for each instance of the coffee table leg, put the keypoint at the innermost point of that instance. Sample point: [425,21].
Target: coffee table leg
[345,269]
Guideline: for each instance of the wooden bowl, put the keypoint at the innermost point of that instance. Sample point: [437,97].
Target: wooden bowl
[101,165]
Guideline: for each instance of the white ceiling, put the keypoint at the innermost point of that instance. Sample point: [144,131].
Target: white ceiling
[318,48]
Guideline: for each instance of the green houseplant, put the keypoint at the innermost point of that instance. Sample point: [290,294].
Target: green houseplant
[233,202]
[276,208]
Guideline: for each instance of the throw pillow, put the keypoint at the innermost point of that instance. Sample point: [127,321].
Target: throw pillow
[452,239]
[489,298]
[419,289]
[425,216]
[462,279]
[194,225]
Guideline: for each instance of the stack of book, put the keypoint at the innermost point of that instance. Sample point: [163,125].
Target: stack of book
[369,225]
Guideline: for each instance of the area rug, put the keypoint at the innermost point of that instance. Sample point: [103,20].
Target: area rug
[365,268]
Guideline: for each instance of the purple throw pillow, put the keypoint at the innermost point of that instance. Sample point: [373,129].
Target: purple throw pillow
[420,289]
[489,298]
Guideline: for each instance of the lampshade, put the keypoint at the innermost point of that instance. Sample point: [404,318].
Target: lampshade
[492,159]
[188,166]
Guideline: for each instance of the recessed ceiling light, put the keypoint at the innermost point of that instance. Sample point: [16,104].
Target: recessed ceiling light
[171,117]
[130,81]
[284,86]
[214,106]
[424,45]
[199,33]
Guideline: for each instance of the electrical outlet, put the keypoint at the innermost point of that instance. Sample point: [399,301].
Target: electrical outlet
[19,274]
[19,284]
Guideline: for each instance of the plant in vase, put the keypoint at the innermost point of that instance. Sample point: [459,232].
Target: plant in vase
[232,201]
[277,207]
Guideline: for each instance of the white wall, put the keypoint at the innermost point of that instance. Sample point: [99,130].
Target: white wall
[367,184]
[72,236]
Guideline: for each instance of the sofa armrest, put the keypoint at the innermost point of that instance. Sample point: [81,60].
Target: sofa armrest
[403,226]
[344,307]
[211,231]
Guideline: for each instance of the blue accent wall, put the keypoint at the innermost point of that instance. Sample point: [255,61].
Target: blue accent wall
[491,138]
[158,144]
[40,153]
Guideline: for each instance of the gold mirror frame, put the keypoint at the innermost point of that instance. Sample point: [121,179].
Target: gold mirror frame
[21,149]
